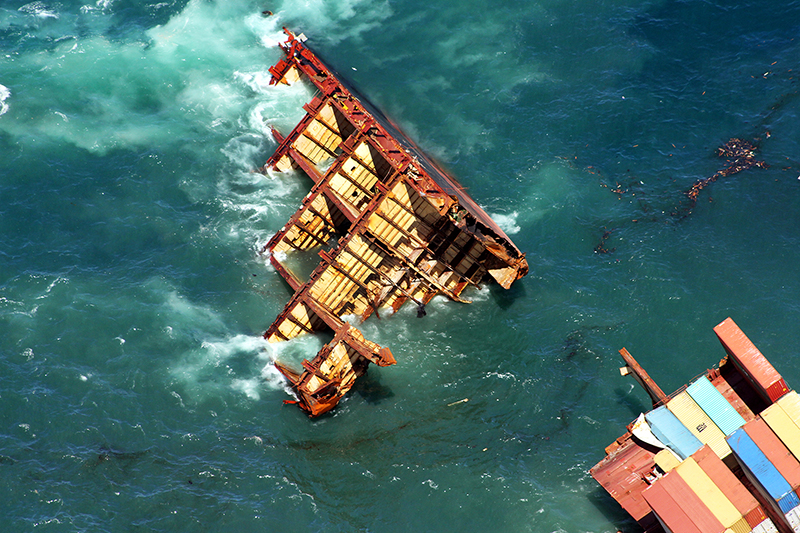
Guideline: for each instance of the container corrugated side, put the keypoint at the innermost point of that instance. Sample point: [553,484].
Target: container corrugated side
[761,472]
[767,526]
[692,505]
[793,517]
[714,404]
[790,403]
[775,451]
[756,516]
[666,459]
[741,526]
[669,513]
[788,502]
[730,485]
[783,426]
[750,361]
[672,432]
[711,495]
[701,426]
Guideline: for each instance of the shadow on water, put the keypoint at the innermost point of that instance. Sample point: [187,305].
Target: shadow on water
[633,404]
[370,388]
[615,514]
[505,298]
[123,460]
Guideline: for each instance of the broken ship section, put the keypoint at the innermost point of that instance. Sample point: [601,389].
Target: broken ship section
[389,226]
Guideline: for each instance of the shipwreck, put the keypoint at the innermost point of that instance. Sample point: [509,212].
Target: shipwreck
[389,225]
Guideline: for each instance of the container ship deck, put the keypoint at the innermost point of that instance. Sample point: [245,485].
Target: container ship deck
[719,455]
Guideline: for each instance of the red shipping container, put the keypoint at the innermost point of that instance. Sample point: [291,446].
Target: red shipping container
[729,484]
[750,361]
[669,512]
[775,450]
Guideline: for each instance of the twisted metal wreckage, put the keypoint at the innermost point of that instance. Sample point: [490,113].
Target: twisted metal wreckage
[390,226]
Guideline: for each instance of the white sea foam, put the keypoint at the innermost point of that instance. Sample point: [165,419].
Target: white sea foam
[4,95]
[38,9]
[320,15]
[507,223]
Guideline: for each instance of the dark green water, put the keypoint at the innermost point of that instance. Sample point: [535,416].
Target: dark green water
[136,392]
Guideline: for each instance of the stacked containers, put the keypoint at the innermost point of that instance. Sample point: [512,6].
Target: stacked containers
[790,403]
[783,460]
[678,508]
[750,362]
[669,430]
[763,474]
[782,424]
[666,460]
[699,423]
[712,496]
[714,404]
[672,518]
[733,489]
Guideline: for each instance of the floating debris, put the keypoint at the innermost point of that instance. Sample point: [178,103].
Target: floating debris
[740,155]
[388,223]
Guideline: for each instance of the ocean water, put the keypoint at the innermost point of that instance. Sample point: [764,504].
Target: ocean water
[136,391]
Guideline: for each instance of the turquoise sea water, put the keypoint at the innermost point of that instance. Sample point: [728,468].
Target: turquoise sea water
[136,392]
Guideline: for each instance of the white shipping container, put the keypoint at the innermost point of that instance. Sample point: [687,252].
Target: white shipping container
[793,518]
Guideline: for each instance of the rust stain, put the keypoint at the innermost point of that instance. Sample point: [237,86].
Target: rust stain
[390,226]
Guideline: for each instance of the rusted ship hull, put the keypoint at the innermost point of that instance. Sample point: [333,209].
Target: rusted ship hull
[390,226]
[693,472]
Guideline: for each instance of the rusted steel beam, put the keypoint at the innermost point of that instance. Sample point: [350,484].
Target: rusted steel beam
[643,378]
[290,278]
[362,136]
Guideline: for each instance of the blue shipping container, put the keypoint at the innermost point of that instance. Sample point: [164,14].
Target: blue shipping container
[714,404]
[763,470]
[672,432]
[788,502]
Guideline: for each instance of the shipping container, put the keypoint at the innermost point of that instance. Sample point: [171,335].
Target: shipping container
[691,503]
[756,516]
[789,502]
[669,513]
[730,485]
[761,472]
[672,432]
[790,403]
[741,526]
[714,404]
[783,426]
[793,517]
[666,460]
[711,495]
[696,421]
[750,361]
[767,526]
[775,451]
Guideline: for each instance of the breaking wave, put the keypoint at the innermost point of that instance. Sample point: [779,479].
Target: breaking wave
[39,10]
[4,94]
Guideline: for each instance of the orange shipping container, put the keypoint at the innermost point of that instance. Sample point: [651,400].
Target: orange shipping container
[669,513]
[775,451]
[730,485]
[755,367]
[711,495]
